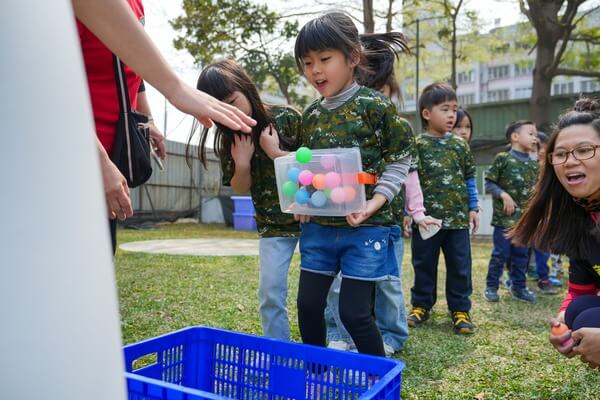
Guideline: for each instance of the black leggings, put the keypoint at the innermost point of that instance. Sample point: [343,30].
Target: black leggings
[583,312]
[357,299]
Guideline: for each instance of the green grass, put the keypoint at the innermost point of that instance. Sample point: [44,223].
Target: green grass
[508,358]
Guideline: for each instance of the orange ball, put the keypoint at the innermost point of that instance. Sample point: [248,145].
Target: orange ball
[559,329]
[350,193]
[318,181]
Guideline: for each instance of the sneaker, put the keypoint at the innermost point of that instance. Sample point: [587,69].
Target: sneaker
[546,287]
[339,345]
[508,283]
[461,322]
[389,350]
[491,294]
[523,294]
[417,316]
[555,281]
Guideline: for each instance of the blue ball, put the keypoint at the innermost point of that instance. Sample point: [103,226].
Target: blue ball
[302,196]
[318,199]
[293,174]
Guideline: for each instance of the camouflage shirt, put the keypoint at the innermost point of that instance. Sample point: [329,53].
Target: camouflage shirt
[370,122]
[269,218]
[445,164]
[517,178]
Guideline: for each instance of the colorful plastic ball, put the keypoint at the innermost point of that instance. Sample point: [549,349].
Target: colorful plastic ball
[293,174]
[318,199]
[350,193]
[303,155]
[327,193]
[305,177]
[332,179]
[302,196]
[318,181]
[338,195]
[328,161]
[289,188]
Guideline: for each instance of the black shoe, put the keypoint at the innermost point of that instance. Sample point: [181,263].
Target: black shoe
[491,294]
[461,322]
[523,294]
[546,287]
[417,316]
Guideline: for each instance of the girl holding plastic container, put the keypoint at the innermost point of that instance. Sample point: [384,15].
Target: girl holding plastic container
[247,167]
[390,311]
[328,52]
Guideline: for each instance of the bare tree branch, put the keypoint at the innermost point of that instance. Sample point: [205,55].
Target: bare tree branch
[576,72]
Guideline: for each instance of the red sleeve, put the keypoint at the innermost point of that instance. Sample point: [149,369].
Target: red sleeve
[581,281]
[575,291]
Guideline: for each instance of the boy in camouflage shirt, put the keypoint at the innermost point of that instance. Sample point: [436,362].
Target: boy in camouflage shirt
[510,180]
[445,166]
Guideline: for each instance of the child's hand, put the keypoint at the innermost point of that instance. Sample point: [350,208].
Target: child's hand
[357,218]
[558,340]
[588,345]
[509,204]
[474,221]
[242,149]
[269,142]
[429,221]
[407,223]
[303,219]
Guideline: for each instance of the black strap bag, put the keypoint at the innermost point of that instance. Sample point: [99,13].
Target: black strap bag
[131,151]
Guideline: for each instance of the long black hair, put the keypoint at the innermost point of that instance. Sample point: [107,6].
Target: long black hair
[221,79]
[461,113]
[552,221]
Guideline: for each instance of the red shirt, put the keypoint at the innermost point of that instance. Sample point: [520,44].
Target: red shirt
[98,63]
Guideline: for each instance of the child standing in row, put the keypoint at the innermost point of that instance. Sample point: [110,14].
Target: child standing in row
[445,166]
[328,52]
[248,167]
[510,180]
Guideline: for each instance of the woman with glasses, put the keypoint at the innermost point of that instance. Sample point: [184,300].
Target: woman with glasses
[563,216]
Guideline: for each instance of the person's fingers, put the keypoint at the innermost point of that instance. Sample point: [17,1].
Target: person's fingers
[205,121]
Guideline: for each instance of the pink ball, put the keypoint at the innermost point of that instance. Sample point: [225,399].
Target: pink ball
[328,161]
[350,193]
[338,195]
[332,179]
[305,177]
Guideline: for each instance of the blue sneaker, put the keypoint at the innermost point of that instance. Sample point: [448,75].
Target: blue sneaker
[491,294]
[554,281]
[523,294]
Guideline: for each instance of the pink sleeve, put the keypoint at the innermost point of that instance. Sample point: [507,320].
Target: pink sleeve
[414,197]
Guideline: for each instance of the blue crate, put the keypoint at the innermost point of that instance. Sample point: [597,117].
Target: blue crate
[208,363]
[243,205]
[244,222]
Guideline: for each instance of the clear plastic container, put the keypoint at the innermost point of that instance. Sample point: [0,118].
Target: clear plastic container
[327,183]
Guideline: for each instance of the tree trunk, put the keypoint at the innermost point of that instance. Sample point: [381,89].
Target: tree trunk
[389,17]
[542,84]
[453,72]
[368,19]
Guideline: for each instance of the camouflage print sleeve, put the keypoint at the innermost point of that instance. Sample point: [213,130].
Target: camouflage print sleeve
[227,168]
[494,172]
[291,127]
[469,167]
[398,140]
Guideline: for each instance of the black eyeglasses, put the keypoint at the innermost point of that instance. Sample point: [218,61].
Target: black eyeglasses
[580,153]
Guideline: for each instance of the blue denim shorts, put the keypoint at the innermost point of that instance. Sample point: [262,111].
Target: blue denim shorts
[365,252]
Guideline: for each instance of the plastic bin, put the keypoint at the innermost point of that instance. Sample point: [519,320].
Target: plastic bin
[328,185]
[209,363]
[244,222]
[243,204]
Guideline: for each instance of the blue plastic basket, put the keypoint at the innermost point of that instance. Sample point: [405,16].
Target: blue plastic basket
[244,222]
[208,363]
[243,204]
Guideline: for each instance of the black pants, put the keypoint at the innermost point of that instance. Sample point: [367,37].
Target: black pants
[112,225]
[583,312]
[357,299]
[456,245]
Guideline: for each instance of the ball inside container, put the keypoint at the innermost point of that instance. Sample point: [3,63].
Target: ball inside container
[318,181]
[302,196]
[303,155]
[328,161]
[289,188]
[332,179]
[305,177]
[338,195]
[293,174]
[318,199]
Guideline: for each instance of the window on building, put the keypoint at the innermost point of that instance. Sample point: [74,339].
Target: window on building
[590,86]
[465,99]
[524,68]
[498,95]
[466,77]
[499,72]
[523,93]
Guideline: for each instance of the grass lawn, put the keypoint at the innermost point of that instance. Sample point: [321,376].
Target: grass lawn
[508,358]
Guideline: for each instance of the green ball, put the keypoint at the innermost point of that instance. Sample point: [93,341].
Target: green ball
[289,188]
[327,192]
[303,155]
